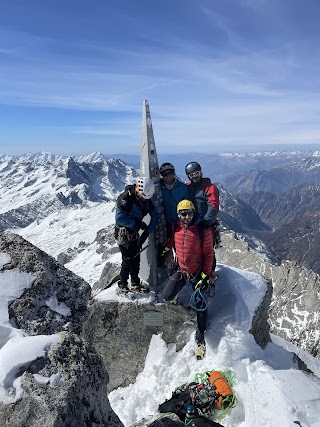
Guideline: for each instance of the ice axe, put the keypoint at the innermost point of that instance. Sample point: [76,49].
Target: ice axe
[143,249]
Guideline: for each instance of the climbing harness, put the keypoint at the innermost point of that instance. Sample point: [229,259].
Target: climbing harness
[125,235]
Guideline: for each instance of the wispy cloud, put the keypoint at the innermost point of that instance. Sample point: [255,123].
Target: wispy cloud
[223,81]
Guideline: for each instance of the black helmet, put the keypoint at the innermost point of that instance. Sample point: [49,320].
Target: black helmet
[192,167]
[166,168]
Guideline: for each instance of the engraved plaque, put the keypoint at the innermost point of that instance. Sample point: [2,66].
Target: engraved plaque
[153,318]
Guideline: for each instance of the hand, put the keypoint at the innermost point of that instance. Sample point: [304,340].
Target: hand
[143,225]
[140,225]
[137,225]
[142,238]
[165,250]
[204,224]
[203,282]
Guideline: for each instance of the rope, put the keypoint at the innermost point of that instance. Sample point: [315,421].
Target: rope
[202,378]
[228,402]
[198,300]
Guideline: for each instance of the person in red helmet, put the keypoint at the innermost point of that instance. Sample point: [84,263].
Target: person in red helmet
[205,196]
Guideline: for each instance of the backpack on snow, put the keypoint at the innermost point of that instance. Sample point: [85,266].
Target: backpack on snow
[180,400]
[212,390]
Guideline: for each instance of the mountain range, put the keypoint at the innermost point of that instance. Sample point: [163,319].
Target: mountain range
[42,192]
[221,165]
[286,198]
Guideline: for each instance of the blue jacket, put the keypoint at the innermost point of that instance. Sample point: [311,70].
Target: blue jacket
[130,211]
[172,197]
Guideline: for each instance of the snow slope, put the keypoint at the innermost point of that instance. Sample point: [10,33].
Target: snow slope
[270,389]
[67,228]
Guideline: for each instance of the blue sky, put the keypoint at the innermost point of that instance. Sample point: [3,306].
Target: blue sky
[217,74]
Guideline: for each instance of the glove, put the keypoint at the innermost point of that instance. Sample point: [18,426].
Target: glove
[204,224]
[137,225]
[142,238]
[165,250]
[143,225]
[140,225]
[203,282]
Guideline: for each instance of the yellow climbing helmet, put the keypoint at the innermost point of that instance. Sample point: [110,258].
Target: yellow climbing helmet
[185,205]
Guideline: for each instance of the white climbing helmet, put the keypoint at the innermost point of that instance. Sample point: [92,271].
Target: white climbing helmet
[145,187]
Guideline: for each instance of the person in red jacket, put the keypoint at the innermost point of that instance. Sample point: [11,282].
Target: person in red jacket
[205,196]
[194,250]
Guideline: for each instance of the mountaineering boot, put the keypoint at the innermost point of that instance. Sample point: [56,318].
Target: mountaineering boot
[136,285]
[123,286]
[200,350]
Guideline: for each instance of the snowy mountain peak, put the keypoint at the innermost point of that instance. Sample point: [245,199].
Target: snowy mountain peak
[91,158]
[40,158]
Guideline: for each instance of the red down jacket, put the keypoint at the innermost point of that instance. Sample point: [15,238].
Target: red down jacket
[192,251]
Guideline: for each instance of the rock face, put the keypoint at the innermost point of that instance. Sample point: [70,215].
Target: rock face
[57,300]
[77,396]
[118,333]
[295,302]
[303,232]
[109,275]
[67,387]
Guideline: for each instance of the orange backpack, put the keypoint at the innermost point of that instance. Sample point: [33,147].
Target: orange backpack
[227,398]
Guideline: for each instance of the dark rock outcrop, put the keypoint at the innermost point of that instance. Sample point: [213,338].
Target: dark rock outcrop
[67,386]
[77,396]
[112,325]
[169,420]
[110,274]
[53,286]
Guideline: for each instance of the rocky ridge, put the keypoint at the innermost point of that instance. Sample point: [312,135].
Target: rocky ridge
[67,386]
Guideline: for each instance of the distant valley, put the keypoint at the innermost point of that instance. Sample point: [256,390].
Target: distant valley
[287,199]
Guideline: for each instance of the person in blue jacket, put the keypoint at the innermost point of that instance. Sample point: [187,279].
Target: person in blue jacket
[132,206]
[173,191]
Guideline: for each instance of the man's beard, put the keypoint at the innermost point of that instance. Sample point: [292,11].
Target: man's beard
[170,186]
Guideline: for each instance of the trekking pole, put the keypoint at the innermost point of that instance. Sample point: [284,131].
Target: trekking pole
[143,249]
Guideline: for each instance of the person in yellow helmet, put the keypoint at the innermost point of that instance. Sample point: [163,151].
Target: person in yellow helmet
[194,249]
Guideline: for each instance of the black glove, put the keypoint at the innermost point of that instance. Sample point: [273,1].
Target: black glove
[203,282]
[137,225]
[143,238]
[204,224]
[140,225]
[143,225]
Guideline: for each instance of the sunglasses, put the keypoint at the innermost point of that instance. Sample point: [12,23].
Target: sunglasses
[167,174]
[190,213]
[194,174]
